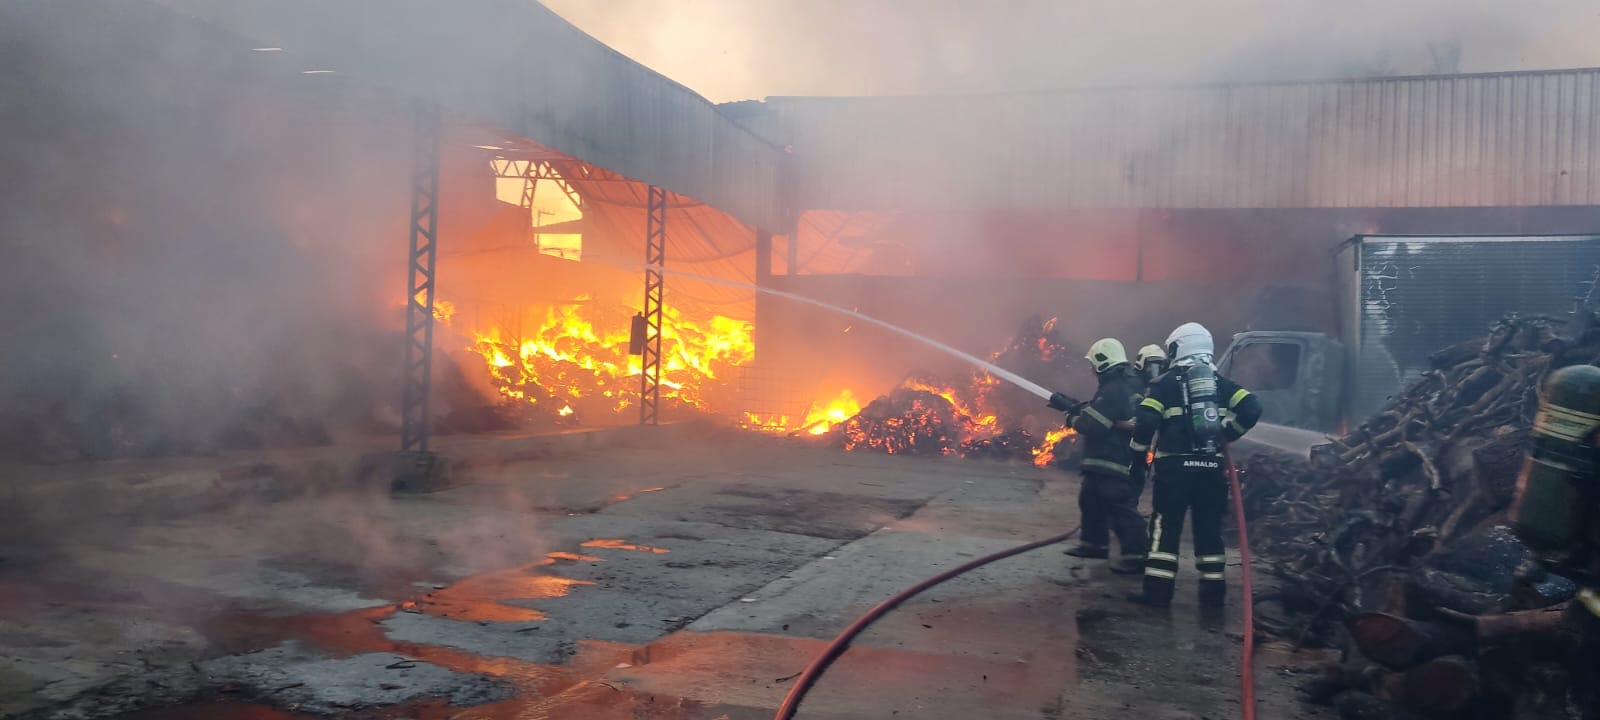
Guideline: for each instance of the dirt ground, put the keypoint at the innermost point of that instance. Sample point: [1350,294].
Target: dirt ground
[686,582]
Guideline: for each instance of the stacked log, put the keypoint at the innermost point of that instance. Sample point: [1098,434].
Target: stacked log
[1391,544]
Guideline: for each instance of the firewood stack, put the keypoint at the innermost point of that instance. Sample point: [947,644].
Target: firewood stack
[1391,543]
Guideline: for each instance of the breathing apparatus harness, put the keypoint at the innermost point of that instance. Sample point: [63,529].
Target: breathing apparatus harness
[1199,385]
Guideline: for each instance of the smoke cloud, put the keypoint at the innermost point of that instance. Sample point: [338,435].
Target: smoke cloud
[732,50]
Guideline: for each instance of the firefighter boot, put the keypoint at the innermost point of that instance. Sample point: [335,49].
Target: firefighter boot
[1128,565]
[1088,550]
[1157,593]
[1213,593]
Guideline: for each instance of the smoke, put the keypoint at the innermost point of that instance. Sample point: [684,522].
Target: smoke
[204,251]
[732,50]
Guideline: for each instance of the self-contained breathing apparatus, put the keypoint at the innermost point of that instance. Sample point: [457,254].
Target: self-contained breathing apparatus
[1199,385]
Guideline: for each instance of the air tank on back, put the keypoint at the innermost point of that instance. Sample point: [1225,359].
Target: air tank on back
[1555,485]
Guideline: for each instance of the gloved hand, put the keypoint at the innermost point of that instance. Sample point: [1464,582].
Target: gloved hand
[1063,403]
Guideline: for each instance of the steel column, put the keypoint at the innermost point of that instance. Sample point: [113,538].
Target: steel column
[655,261]
[423,257]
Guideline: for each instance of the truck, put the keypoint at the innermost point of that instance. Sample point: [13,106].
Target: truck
[1397,300]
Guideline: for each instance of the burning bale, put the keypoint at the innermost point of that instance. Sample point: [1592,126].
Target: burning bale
[1392,539]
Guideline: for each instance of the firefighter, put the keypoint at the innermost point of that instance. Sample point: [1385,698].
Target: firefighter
[1107,498]
[1188,413]
[1557,508]
[1152,362]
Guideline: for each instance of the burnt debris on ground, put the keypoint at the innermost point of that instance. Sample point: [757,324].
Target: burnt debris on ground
[974,417]
[1391,543]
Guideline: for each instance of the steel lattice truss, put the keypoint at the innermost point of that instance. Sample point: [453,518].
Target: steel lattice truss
[655,260]
[423,258]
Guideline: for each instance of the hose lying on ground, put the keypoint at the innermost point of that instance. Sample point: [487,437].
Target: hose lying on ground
[1247,682]
[1247,702]
[809,677]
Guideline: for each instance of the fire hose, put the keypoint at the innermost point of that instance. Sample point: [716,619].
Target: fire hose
[835,648]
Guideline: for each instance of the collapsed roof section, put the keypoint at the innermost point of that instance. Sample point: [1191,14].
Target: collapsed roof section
[518,66]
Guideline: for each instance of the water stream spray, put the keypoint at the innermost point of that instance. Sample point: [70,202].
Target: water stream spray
[996,370]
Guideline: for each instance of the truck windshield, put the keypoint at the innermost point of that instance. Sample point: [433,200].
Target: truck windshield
[1265,366]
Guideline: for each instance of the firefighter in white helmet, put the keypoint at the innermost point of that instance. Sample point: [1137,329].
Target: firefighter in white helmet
[1188,413]
[1107,498]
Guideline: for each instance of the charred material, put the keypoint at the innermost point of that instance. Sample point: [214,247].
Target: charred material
[1391,540]
[979,419]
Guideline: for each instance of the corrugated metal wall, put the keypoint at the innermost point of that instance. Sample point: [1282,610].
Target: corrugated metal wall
[1515,139]
[515,64]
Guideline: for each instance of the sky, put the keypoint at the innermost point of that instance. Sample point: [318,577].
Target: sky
[749,49]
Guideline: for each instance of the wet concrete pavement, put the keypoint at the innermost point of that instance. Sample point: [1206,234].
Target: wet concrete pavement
[689,582]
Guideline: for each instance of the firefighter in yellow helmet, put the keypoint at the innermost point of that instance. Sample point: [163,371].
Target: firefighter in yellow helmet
[1107,499]
[1152,362]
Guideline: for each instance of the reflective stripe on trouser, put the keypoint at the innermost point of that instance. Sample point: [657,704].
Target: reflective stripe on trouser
[1180,492]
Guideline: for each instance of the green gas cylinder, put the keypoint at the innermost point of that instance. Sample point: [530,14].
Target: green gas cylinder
[1558,476]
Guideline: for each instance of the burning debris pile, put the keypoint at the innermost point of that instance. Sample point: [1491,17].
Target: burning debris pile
[1393,537]
[575,364]
[981,418]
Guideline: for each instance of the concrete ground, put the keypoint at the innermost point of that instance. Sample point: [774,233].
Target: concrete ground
[685,580]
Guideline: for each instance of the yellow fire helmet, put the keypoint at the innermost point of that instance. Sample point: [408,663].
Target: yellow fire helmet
[1151,352]
[1106,353]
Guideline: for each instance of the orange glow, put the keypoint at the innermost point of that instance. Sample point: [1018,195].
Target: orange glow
[576,362]
[571,557]
[480,598]
[618,544]
[1046,452]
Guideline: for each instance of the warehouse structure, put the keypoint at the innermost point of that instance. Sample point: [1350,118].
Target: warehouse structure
[956,216]
[1226,199]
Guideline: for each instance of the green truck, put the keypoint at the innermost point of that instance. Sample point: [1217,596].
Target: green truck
[1398,299]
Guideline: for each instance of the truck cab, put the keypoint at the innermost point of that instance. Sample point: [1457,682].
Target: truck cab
[1297,376]
[1299,379]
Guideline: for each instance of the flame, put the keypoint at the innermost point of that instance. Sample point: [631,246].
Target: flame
[836,411]
[443,310]
[1046,452]
[576,362]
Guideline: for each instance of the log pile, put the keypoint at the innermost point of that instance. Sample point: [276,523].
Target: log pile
[1391,542]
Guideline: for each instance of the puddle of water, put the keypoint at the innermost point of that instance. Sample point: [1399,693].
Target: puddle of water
[626,496]
[620,544]
[572,557]
[482,597]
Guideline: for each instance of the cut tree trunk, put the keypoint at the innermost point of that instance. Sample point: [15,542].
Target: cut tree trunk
[1398,643]
[1446,684]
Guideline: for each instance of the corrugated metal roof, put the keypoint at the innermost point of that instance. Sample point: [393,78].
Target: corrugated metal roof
[1504,139]
[519,66]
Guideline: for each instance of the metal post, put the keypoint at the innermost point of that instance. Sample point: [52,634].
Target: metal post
[763,279]
[423,258]
[530,189]
[655,261]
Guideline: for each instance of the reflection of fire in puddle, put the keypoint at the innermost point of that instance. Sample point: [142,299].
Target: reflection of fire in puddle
[619,544]
[625,496]
[482,597]
[572,557]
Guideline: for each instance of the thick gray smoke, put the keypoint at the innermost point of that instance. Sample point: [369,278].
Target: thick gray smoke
[732,50]
[188,266]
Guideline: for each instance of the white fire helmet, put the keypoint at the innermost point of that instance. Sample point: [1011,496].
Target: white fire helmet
[1151,352]
[1106,353]
[1190,344]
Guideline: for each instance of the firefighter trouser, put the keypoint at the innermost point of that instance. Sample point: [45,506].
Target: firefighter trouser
[1202,493]
[1109,505]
